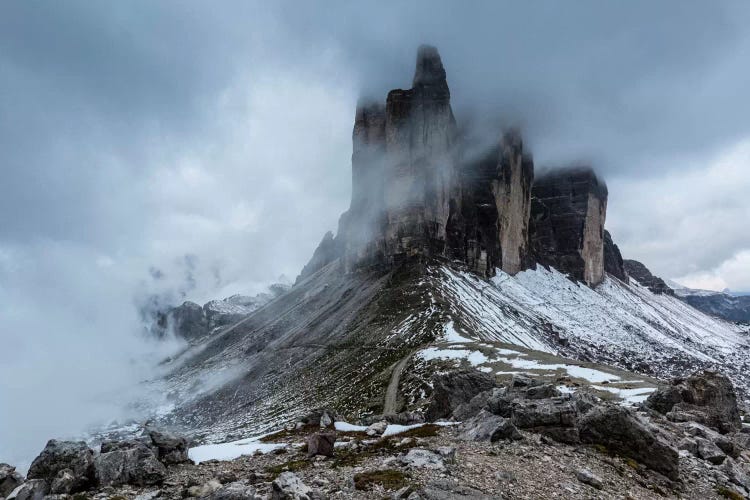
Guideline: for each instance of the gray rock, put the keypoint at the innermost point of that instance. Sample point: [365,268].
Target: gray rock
[500,402]
[171,448]
[136,465]
[541,392]
[622,432]
[708,451]
[204,490]
[448,453]
[735,473]
[321,443]
[377,428]
[705,397]
[423,459]
[557,412]
[326,420]
[466,411]
[237,490]
[290,487]
[9,479]
[58,455]
[689,445]
[587,477]
[63,483]
[453,388]
[488,427]
[33,489]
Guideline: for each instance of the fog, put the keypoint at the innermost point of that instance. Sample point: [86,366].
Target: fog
[193,151]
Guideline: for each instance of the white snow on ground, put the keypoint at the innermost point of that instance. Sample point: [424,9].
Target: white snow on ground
[476,358]
[394,429]
[615,323]
[230,451]
[637,395]
[452,336]
[347,427]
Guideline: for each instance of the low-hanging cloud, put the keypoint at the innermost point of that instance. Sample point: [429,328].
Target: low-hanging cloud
[136,134]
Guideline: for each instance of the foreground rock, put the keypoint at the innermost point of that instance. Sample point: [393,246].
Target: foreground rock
[72,456]
[130,462]
[705,397]
[288,486]
[34,489]
[454,388]
[621,432]
[170,448]
[9,479]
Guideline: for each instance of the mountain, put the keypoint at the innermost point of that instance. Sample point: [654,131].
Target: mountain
[447,258]
[724,305]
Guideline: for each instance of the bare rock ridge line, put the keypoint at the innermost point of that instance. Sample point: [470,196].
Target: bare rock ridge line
[420,190]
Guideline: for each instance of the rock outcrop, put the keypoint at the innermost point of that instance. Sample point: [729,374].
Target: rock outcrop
[642,275]
[613,263]
[57,456]
[568,210]
[704,397]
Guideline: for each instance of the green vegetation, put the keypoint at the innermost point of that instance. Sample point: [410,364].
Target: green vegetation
[291,466]
[728,493]
[389,479]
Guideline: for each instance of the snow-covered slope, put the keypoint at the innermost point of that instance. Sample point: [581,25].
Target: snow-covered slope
[616,323]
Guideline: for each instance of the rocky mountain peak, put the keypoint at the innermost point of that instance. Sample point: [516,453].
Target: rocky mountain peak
[429,70]
[420,192]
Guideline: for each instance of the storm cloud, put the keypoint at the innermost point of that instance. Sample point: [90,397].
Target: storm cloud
[139,137]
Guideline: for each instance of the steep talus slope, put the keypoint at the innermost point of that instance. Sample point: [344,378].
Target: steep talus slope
[624,325]
[330,341]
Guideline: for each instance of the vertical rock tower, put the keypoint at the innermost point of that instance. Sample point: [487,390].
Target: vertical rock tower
[415,195]
[420,135]
[568,211]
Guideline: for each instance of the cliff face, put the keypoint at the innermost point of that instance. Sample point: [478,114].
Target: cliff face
[567,214]
[613,263]
[416,194]
[420,134]
[642,275]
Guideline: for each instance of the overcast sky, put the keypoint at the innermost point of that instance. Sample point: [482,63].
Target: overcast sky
[212,142]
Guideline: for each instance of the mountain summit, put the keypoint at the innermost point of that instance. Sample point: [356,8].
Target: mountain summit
[418,192]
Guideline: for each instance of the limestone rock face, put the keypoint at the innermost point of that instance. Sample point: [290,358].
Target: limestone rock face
[642,275]
[420,136]
[512,192]
[567,216]
[613,263]
[421,189]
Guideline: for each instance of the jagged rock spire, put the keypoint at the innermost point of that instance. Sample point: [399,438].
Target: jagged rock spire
[429,70]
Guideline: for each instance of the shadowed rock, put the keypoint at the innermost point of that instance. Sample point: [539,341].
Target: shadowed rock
[567,223]
[74,456]
[642,275]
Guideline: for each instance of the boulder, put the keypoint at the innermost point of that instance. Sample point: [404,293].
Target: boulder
[545,391]
[33,489]
[9,479]
[453,388]
[705,397]
[708,451]
[238,490]
[130,462]
[423,459]
[204,490]
[587,477]
[321,443]
[468,410]
[500,402]
[622,432]
[290,487]
[377,428]
[74,456]
[63,483]
[170,448]
[488,427]
[736,473]
[557,412]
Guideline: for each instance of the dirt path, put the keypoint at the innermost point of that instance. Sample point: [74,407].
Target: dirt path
[390,405]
